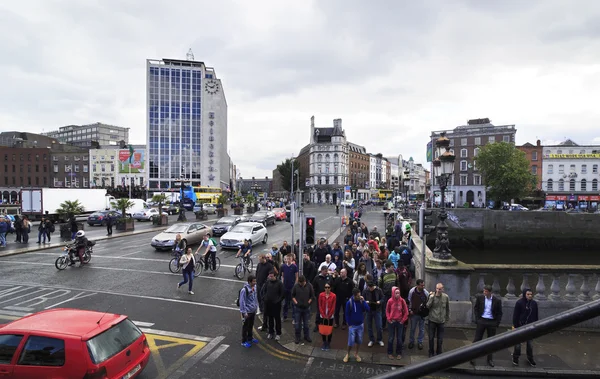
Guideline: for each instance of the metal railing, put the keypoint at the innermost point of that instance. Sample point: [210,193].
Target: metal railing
[499,342]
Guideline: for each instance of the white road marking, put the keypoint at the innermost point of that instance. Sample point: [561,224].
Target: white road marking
[307,367]
[189,302]
[142,324]
[12,313]
[181,371]
[79,295]
[19,309]
[128,254]
[215,354]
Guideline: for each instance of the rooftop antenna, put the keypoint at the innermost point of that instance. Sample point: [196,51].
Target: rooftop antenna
[190,55]
[105,312]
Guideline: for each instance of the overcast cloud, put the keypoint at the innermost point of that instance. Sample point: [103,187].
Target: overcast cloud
[392,70]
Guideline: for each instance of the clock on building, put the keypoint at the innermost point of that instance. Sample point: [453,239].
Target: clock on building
[211,86]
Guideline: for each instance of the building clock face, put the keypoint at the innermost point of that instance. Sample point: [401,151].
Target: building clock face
[211,87]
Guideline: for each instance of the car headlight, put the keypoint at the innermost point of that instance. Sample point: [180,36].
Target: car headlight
[154,240]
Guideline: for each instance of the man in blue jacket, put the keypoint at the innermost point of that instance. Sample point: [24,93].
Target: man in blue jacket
[248,307]
[355,315]
[526,312]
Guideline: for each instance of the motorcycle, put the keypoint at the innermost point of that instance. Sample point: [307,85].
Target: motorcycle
[70,250]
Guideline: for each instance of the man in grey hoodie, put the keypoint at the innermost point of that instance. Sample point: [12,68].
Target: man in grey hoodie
[248,307]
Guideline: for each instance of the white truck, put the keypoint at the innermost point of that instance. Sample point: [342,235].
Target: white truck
[39,202]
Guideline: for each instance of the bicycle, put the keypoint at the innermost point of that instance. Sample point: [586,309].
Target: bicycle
[200,265]
[174,266]
[245,264]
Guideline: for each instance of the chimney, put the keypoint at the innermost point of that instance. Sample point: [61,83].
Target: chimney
[539,143]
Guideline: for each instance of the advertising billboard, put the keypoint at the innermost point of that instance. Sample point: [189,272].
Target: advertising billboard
[136,160]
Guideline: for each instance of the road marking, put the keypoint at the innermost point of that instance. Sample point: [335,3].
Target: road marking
[142,324]
[80,295]
[20,309]
[181,371]
[12,315]
[263,345]
[143,296]
[164,371]
[215,354]
[174,334]
[307,367]
[128,254]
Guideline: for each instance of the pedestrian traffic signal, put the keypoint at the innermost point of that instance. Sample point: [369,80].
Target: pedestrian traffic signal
[425,221]
[310,230]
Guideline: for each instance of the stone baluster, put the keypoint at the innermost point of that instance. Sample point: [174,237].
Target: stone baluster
[496,286]
[597,295]
[481,282]
[525,283]
[510,289]
[570,288]
[585,289]
[540,288]
[555,287]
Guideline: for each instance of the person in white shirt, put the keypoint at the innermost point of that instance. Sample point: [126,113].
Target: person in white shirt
[328,263]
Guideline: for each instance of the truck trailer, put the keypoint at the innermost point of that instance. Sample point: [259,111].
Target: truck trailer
[45,202]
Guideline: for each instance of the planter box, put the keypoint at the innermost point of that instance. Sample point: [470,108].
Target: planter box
[162,220]
[201,216]
[125,226]
[222,212]
[238,211]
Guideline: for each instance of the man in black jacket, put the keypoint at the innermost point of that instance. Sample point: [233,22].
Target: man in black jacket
[526,312]
[263,268]
[488,314]
[273,296]
[374,297]
[342,287]
[309,269]
[320,253]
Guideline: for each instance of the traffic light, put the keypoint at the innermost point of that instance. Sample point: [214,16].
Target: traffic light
[310,228]
[425,221]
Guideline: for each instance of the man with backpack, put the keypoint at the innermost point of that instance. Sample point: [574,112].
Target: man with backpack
[417,309]
[248,303]
[211,248]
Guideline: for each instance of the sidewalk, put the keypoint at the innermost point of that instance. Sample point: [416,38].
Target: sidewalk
[560,354]
[93,233]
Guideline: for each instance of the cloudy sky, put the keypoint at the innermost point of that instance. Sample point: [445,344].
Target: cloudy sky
[392,70]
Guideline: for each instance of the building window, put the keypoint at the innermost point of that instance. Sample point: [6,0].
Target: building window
[534,170]
[572,185]
[550,169]
[594,169]
[572,168]
[561,185]
[475,151]
[583,185]
[85,168]
[506,138]
[582,152]
[477,180]
[464,153]
[492,139]
[66,157]
[463,165]
[534,156]
[550,185]
[584,169]
[55,169]
[67,168]
[477,141]
[451,143]
[463,142]
[463,180]
[595,185]
[559,151]
[561,169]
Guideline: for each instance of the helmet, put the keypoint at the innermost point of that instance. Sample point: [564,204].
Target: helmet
[80,233]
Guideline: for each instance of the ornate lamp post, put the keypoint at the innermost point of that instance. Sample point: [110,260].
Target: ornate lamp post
[406,184]
[443,168]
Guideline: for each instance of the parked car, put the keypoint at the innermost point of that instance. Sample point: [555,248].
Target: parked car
[264,217]
[210,208]
[72,343]
[170,209]
[146,215]
[100,217]
[279,214]
[191,233]
[253,231]
[223,225]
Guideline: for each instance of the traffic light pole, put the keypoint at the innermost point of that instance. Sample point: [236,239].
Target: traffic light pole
[423,239]
[301,245]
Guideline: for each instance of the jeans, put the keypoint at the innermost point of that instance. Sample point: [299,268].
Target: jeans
[188,277]
[485,325]
[287,303]
[517,350]
[273,317]
[109,229]
[339,304]
[395,329]
[434,328]
[414,320]
[73,235]
[41,233]
[25,237]
[374,315]
[48,234]
[301,318]
[247,328]
[213,257]
[2,238]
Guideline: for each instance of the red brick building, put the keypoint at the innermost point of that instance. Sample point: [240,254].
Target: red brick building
[534,156]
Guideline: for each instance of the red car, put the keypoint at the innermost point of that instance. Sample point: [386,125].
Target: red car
[72,343]
[279,214]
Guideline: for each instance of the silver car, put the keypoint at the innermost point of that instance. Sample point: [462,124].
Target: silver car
[191,233]
[253,231]
[146,214]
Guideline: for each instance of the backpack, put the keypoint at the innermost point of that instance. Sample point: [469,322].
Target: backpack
[237,301]
[213,241]
[52,229]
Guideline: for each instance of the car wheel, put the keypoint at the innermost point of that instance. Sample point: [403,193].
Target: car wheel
[264,241]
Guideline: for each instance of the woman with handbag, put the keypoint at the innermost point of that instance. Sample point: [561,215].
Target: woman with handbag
[189,263]
[326,309]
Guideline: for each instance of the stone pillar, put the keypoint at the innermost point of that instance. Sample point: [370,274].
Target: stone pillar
[585,290]
[540,288]
[555,287]
[570,288]
[510,289]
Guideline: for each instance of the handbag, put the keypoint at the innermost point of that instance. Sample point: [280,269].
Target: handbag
[325,330]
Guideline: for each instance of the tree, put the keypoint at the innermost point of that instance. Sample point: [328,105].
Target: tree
[160,199]
[285,170]
[505,171]
[123,205]
[70,208]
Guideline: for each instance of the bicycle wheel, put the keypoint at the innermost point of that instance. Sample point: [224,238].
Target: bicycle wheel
[174,265]
[250,265]
[217,264]
[199,268]
[239,271]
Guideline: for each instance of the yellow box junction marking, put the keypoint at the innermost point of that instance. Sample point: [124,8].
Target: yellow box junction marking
[163,372]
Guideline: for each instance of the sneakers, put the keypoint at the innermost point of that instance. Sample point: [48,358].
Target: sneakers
[269,336]
[277,337]
[370,344]
[177,286]
[247,345]
[411,345]
[307,339]
[390,356]
[324,346]
[296,340]
[254,341]
[191,292]
[258,312]
[420,346]
[531,362]
[381,343]
[515,361]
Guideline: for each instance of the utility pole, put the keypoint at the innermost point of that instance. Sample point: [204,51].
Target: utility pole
[293,206]
[301,246]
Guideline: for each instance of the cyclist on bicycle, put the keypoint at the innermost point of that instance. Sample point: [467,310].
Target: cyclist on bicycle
[211,248]
[245,250]
[179,245]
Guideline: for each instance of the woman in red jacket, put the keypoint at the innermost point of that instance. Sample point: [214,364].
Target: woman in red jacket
[396,313]
[326,309]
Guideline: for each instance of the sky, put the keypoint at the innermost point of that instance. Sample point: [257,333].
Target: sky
[393,71]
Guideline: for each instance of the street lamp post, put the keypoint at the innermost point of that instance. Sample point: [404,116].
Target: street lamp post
[406,184]
[443,167]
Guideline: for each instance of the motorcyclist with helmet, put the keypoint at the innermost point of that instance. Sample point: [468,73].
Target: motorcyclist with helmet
[81,243]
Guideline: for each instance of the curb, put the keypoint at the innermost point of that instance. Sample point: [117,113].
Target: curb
[103,238]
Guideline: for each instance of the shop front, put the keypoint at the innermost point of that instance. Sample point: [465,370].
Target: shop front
[588,203]
[556,202]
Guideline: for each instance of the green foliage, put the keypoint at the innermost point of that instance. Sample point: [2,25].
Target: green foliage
[250,199]
[285,170]
[222,199]
[70,208]
[122,205]
[159,198]
[238,199]
[505,171]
